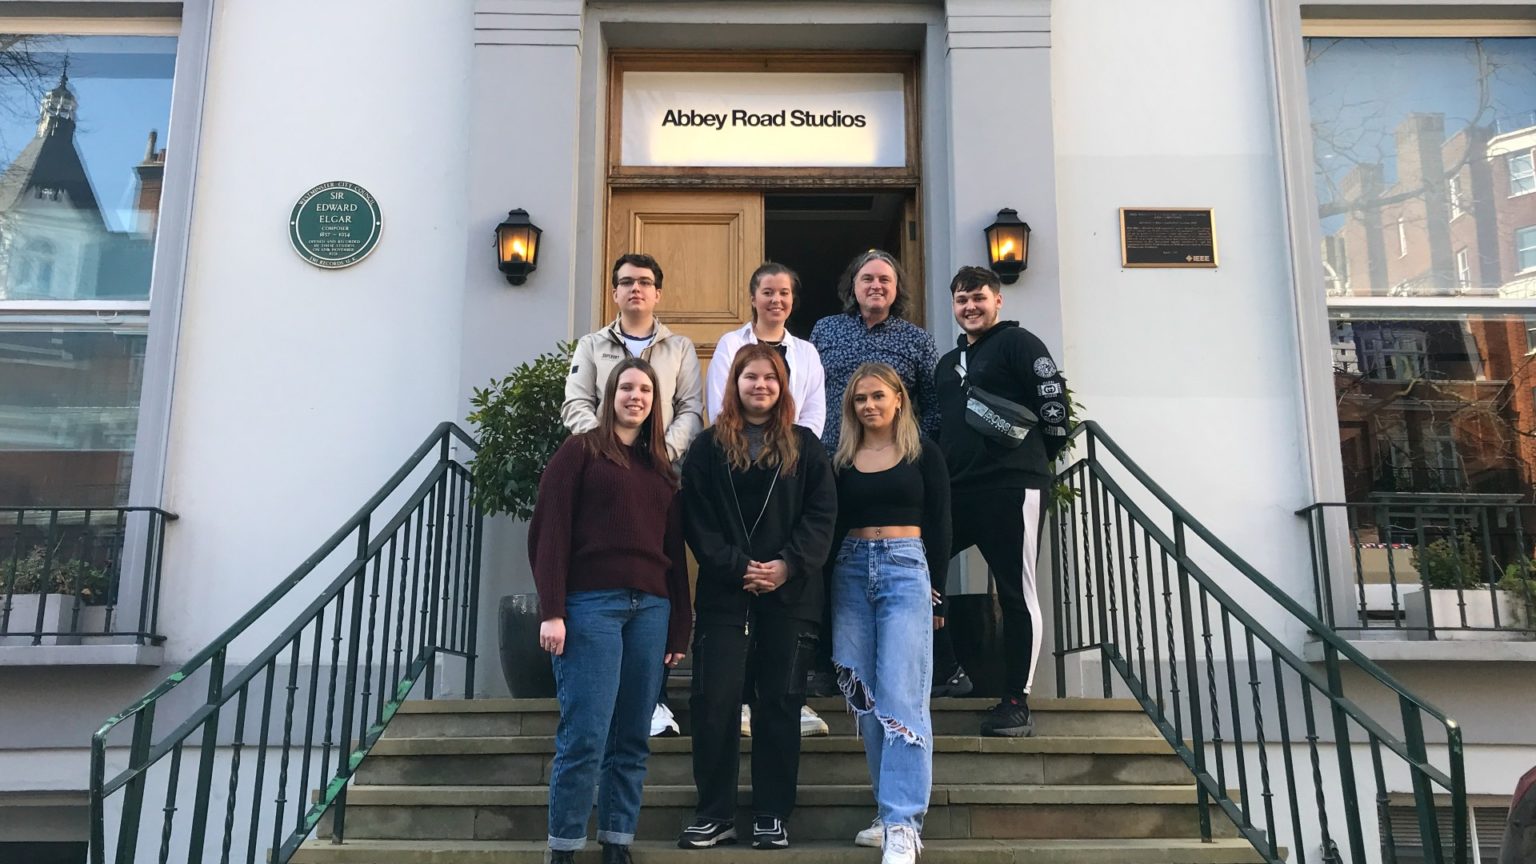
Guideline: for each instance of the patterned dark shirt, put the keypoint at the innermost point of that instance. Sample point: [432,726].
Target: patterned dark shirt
[844,343]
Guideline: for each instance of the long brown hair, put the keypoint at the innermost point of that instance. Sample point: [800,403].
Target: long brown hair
[650,444]
[781,444]
[903,425]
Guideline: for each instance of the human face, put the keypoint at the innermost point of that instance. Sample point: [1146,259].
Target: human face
[632,399]
[874,289]
[758,388]
[635,292]
[875,404]
[976,310]
[773,300]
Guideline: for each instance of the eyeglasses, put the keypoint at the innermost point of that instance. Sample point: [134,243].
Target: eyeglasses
[629,282]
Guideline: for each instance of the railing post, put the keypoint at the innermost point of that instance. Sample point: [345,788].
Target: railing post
[1058,588]
[1101,604]
[430,601]
[1346,756]
[206,758]
[1192,666]
[474,604]
[133,798]
[355,625]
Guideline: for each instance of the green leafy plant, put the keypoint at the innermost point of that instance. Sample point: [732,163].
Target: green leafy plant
[1444,565]
[517,419]
[1062,494]
[62,576]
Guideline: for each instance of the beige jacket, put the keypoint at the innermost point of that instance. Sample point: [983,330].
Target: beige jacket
[680,400]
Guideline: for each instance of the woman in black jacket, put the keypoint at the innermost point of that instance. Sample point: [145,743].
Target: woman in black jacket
[760,502]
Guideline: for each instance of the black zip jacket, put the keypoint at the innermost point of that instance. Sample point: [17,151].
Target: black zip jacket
[796,526]
[1013,363]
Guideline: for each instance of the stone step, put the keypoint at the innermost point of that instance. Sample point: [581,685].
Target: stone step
[525,761]
[935,851]
[500,717]
[968,811]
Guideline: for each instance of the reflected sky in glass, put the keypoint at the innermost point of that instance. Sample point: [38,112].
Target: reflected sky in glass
[123,84]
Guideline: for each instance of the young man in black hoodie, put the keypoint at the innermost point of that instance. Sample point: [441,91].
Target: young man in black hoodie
[1000,484]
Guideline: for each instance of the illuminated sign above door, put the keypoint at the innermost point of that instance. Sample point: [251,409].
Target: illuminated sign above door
[764,119]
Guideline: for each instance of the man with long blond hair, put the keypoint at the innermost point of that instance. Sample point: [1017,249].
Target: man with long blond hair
[759,507]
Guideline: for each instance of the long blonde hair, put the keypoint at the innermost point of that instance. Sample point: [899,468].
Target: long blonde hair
[904,425]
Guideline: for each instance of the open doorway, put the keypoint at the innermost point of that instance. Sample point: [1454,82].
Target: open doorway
[818,233]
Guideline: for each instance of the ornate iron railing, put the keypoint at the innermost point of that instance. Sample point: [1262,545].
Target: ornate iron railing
[80,574]
[259,749]
[1425,567]
[1278,745]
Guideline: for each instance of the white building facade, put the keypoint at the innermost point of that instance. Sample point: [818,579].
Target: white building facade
[1364,163]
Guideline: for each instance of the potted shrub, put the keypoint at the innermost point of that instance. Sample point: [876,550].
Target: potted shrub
[54,582]
[1453,575]
[517,419]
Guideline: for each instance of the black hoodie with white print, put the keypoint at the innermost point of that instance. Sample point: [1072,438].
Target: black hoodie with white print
[1010,362]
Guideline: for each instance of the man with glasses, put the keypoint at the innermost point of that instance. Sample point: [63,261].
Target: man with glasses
[635,332]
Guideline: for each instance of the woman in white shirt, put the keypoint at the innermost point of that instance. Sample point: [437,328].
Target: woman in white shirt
[773,289]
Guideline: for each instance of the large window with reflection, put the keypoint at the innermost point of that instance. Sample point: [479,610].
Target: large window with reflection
[1423,155]
[82,160]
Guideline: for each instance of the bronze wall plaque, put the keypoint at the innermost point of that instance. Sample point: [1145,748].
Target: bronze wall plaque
[1167,237]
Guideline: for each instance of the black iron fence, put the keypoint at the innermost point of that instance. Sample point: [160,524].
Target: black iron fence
[1279,745]
[260,747]
[71,575]
[1425,568]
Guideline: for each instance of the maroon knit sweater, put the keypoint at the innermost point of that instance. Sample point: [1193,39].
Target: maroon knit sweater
[600,526]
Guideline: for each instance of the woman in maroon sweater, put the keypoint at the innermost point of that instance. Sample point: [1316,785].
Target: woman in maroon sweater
[606,545]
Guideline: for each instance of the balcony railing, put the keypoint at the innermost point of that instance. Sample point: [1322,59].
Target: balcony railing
[1449,570]
[71,576]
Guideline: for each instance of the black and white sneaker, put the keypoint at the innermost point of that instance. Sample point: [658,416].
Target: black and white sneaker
[704,833]
[1009,719]
[768,832]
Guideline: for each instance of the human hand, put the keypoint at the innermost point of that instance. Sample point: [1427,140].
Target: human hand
[763,577]
[672,659]
[938,622]
[552,636]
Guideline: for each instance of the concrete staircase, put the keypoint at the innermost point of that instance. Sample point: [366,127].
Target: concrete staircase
[456,782]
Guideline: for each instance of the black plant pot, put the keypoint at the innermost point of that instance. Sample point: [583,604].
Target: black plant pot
[975,625]
[524,665]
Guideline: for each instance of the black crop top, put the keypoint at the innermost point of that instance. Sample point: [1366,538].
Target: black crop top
[908,493]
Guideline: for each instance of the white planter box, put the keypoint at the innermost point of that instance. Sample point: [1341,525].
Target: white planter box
[57,614]
[1446,606]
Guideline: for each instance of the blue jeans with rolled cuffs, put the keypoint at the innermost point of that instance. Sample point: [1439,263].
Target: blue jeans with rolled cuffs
[606,682]
[882,646]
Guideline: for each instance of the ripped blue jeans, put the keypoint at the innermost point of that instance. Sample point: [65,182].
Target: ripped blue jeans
[882,646]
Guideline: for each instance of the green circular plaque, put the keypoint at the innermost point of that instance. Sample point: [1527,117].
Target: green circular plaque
[335,225]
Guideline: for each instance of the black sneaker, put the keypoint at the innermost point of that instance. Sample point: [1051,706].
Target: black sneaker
[559,856]
[768,832]
[704,833]
[822,684]
[1009,719]
[956,685]
[614,853]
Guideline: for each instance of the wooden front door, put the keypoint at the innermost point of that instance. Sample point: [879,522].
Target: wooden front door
[707,243]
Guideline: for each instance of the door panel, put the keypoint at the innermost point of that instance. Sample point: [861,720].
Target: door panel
[707,243]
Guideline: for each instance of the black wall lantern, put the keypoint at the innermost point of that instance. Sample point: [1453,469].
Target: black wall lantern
[1008,245]
[517,246]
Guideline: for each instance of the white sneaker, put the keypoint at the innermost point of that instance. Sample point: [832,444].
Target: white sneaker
[663,724]
[901,845]
[873,836]
[746,721]
[811,725]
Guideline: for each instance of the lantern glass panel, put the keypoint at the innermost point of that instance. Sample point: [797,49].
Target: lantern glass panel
[519,244]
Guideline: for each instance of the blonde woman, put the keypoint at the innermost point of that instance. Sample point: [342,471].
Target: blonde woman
[893,518]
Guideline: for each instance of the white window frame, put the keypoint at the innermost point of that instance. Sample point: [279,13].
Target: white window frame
[162,314]
[1293,139]
[1529,231]
[1522,182]
[1453,194]
[1464,269]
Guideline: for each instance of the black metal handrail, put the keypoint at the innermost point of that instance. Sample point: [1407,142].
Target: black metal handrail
[74,574]
[1129,585]
[1401,553]
[418,580]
